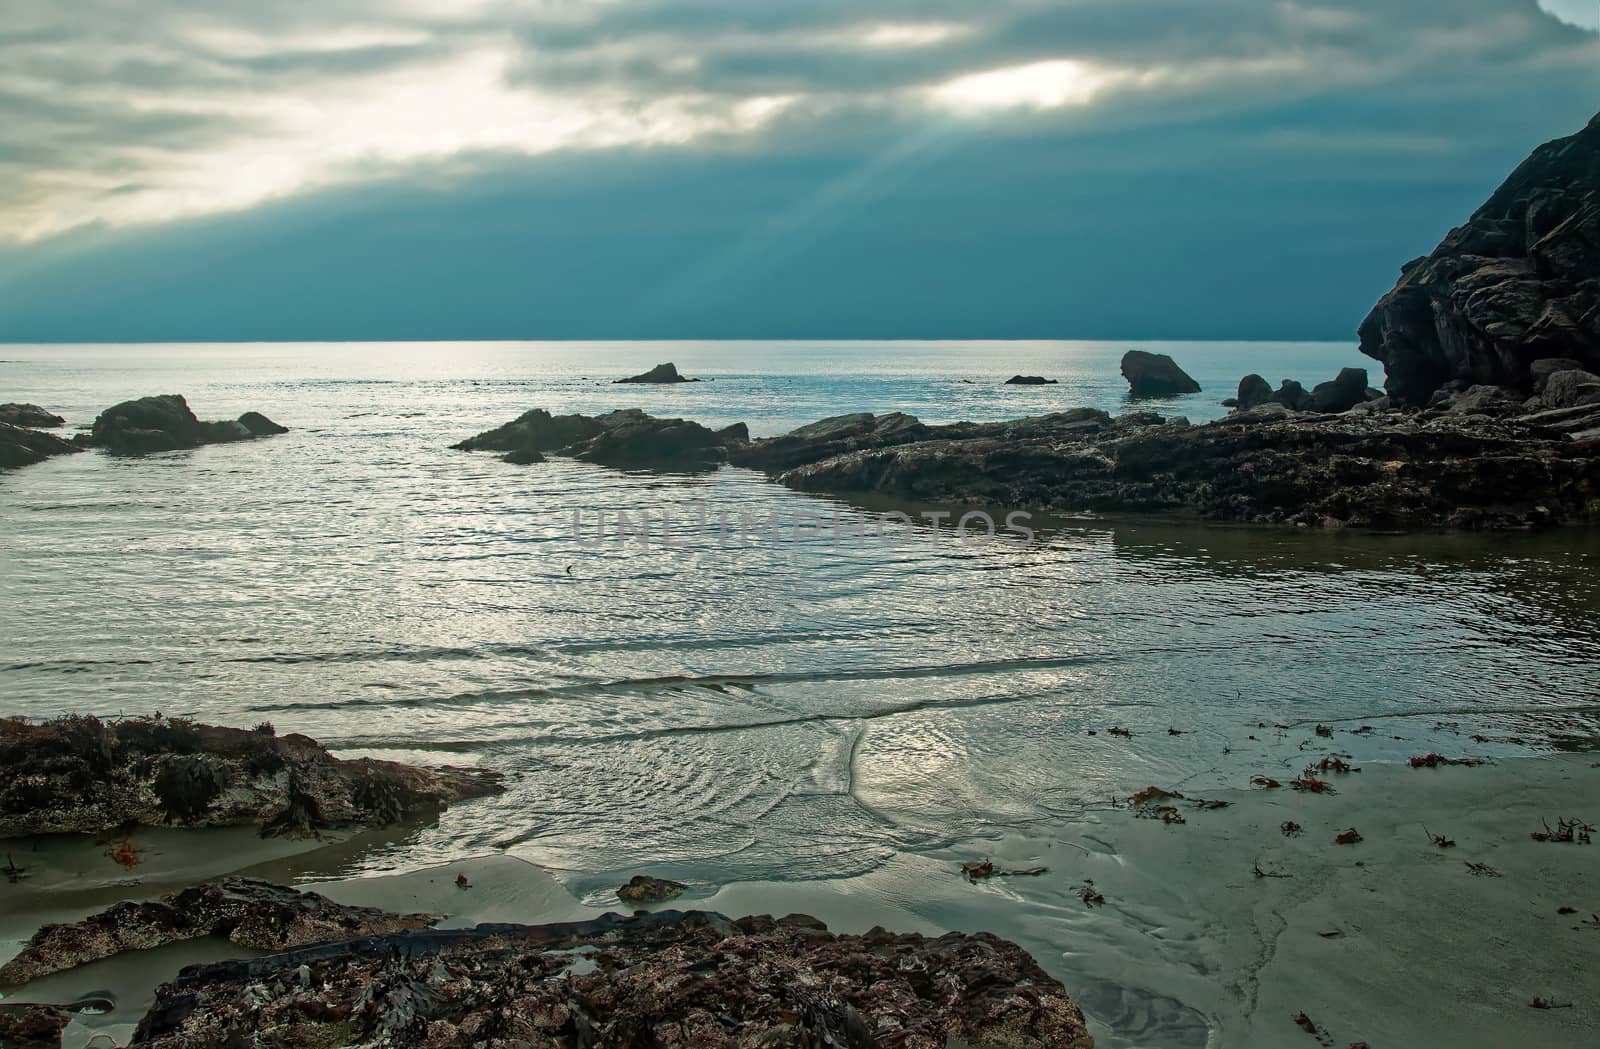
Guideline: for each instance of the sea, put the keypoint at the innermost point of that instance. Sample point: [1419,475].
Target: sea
[740,682]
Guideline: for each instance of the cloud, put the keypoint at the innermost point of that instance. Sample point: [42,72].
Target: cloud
[122,113]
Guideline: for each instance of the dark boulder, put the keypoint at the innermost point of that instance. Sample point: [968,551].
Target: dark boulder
[1340,394]
[523,457]
[1542,369]
[669,979]
[21,446]
[254,914]
[535,431]
[165,423]
[630,439]
[660,374]
[738,433]
[30,415]
[261,426]
[82,775]
[827,437]
[642,888]
[1292,396]
[1029,380]
[1155,375]
[1253,390]
[1519,282]
[1570,389]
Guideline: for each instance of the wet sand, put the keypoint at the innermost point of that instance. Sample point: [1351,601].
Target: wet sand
[1392,941]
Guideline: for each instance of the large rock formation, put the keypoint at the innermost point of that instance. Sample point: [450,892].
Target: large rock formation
[1373,466]
[251,913]
[21,446]
[1519,282]
[29,415]
[831,436]
[660,374]
[671,980]
[627,439]
[81,774]
[165,423]
[1155,375]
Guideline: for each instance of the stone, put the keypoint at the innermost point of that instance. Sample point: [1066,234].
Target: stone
[21,446]
[1483,400]
[1340,394]
[1029,380]
[29,415]
[82,775]
[25,1025]
[1292,396]
[523,457]
[642,888]
[1155,375]
[255,914]
[1253,390]
[1517,283]
[631,439]
[1570,389]
[534,431]
[661,373]
[831,436]
[1541,370]
[669,979]
[738,433]
[165,423]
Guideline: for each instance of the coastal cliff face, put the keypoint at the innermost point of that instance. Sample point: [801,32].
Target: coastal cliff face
[1519,282]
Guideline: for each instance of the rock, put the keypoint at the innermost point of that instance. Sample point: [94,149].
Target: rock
[20,446]
[254,914]
[831,436]
[1029,380]
[1340,394]
[1570,389]
[1292,396]
[1253,390]
[661,373]
[79,774]
[260,425]
[738,433]
[29,415]
[1543,368]
[1483,400]
[672,980]
[1155,375]
[535,431]
[26,1025]
[642,888]
[1374,468]
[1229,402]
[1519,282]
[630,439]
[165,423]
[523,457]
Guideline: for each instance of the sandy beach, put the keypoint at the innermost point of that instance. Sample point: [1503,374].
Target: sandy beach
[1392,940]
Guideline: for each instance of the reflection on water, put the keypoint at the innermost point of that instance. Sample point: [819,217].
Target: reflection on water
[786,706]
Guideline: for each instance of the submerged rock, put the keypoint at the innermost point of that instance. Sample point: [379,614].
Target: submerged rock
[165,423]
[1155,375]
[1520,281]
[21,446]
[642,888]
[671,980]
[29,415]
[661,373]
[1029,380]
[251,913]
[81,774]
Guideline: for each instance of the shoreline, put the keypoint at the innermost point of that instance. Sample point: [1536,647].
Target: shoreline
[1189,947]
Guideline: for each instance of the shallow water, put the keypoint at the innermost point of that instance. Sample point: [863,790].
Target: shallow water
[742,703]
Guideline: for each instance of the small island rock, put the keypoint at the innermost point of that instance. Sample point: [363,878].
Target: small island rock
[1155,375]
[660,374]
[30,415]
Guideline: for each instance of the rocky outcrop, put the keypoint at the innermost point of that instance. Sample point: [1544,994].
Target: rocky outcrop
[1029,380]
[1155,375]
[1519,282]
[21,446]
[1340,394]
[1376,467]
[660,374]
[29,415]
[642,888]
[25,1025]
[827,437]
[165,423]
[251,913]
[81,774]
[627,439]
[671,980]
[1253,391]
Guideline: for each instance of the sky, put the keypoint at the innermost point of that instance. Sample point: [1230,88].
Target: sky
[562,169]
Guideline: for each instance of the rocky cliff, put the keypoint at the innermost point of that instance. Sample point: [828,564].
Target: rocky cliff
[1518,283]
